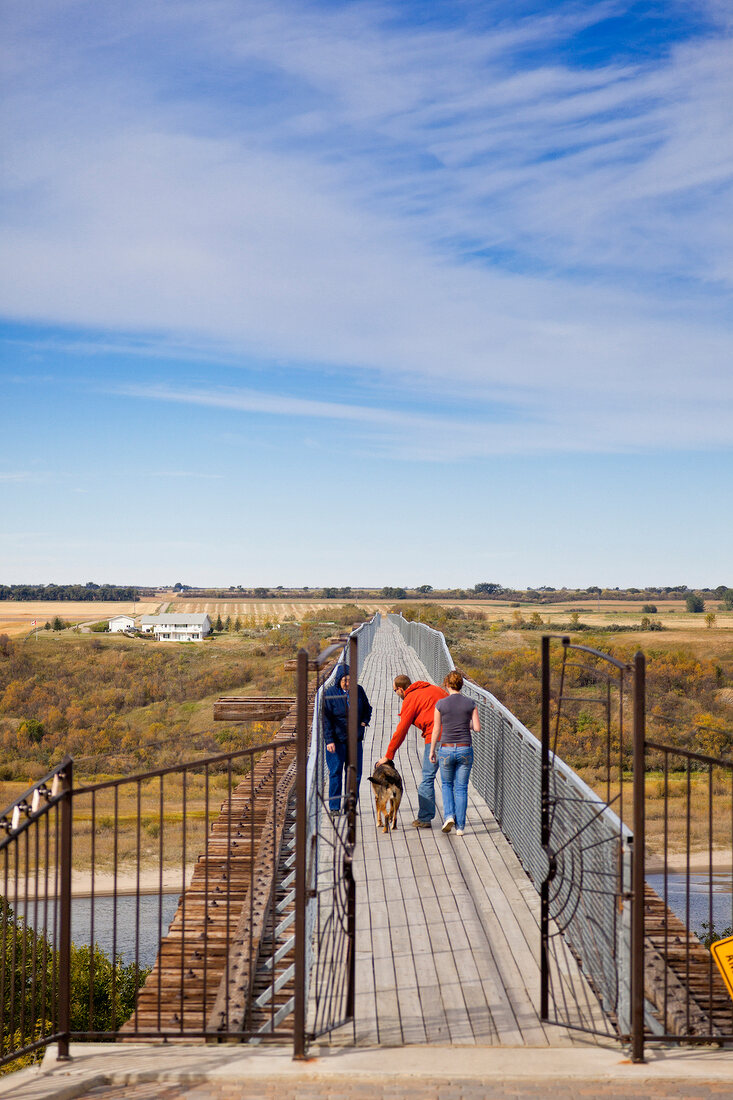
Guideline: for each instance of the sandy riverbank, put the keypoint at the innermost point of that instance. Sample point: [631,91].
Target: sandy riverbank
[106,885]
[699,862]
[127,884]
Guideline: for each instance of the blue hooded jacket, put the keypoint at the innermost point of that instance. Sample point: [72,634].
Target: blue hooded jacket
[335,713]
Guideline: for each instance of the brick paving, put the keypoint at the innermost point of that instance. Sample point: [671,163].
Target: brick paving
[416,1088]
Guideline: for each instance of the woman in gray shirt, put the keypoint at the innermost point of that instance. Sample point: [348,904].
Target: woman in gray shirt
[454,718]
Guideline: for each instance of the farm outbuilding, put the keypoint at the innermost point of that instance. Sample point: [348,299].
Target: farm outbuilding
[120,623]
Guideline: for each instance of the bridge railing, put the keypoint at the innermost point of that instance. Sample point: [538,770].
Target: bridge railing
[591,908]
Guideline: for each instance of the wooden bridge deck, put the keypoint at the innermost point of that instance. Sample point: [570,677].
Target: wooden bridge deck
[447,926]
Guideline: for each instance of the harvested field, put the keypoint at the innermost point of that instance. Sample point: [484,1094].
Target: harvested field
[257,612]
[16,618]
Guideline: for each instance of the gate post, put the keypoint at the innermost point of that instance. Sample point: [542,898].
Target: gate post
[301,829]
[65,838]
[545,828]
[638,866]
[351,800]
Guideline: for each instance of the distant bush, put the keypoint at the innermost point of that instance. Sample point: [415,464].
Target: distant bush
[34,729]
[712,934]
[346,615]
[649,608]
[694,602]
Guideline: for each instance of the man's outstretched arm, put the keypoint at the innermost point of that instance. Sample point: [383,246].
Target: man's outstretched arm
[399,735]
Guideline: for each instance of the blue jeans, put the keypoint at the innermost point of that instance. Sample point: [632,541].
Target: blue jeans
[426,790]
[336,761]
[455,763]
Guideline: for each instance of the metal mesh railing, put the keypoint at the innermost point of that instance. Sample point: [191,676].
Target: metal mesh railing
[592,845]
[429,645]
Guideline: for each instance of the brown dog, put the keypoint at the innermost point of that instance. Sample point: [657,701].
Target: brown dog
[387,784]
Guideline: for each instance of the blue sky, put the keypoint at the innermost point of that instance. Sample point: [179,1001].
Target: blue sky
[367,293]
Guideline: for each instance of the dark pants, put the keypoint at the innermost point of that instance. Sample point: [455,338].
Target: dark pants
[336,761]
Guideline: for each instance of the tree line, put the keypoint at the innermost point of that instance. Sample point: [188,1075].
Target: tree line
[78,593]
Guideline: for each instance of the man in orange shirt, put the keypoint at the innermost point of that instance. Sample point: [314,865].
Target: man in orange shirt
[418,708]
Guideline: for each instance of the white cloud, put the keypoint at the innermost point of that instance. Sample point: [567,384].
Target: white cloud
[334,192]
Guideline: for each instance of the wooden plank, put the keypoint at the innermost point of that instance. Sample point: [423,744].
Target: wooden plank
[252,709]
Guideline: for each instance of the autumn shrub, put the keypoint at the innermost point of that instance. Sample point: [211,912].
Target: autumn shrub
[120,700]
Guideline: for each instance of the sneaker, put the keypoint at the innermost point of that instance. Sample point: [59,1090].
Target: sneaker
[418,824]
[459,832]
[448,824]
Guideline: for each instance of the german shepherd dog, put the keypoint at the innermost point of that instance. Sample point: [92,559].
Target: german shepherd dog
[387,784]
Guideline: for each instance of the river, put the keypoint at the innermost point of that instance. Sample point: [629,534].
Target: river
[699,899]
[153,924]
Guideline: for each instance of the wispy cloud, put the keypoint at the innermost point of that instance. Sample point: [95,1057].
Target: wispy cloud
[186,474]
[546,427]
[16,475]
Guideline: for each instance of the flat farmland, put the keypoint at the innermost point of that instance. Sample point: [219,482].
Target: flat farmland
[16,618]
[671,613]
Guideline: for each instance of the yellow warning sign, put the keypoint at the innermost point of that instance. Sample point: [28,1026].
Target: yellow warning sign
[722,952]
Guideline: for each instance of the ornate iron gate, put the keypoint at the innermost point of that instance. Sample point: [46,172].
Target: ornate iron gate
[587,895]
[325,841]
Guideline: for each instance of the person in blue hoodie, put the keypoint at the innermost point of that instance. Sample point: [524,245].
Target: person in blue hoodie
[335,718]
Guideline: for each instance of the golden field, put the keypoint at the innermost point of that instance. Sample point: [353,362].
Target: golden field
[16,618]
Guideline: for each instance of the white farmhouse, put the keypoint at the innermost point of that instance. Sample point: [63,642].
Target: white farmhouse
[121,623]
[186,627]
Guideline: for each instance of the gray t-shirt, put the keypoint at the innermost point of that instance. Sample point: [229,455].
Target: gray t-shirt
[455,718]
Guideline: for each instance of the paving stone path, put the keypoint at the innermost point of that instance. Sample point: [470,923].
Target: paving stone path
[348,1088]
